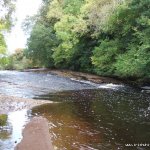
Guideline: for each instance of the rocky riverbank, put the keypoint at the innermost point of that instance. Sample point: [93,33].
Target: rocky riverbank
[77,75]
[137,83]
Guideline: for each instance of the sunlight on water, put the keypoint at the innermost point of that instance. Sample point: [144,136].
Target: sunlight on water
[102,85]
[12,133]
[111,86]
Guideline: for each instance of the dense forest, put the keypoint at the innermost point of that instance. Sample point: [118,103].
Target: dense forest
[108,38]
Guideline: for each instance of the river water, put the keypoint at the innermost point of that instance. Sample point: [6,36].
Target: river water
[88,116]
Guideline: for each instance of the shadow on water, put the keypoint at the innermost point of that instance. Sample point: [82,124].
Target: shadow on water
[97,119]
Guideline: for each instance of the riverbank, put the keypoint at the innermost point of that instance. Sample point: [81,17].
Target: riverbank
[142,84]
[77,75]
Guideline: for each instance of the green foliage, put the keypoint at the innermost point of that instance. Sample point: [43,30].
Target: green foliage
[40,45]
[110,38]
[2,44]
[81,60]
[97,13]
[6,9]
[104,56]
[68,30]
[3,62]
[42,40]
[72,7]
[134,63]
[3,59]
[16,61]
[129,25]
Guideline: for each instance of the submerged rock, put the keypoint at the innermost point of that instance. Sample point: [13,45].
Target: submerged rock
[3,119]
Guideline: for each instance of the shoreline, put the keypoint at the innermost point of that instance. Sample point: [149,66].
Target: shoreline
[35,133]
[93,78]
[77,75]
[135,82]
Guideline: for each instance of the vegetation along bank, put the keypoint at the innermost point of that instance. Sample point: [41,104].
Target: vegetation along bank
[107,38]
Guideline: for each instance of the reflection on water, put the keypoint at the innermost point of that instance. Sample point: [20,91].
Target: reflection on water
[11,134]
[97,119]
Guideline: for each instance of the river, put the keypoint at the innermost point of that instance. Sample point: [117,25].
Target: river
[88,116]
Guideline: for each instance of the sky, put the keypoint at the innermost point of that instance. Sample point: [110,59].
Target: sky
[17,38]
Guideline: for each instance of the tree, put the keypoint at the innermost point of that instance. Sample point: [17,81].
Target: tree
[124,48]
[42,40]
[110,38]
[40,45]
[6,10]
[68,29]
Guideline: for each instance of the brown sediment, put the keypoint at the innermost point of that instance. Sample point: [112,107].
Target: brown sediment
[36,136]
[77,75]
[11,103]
[85,76]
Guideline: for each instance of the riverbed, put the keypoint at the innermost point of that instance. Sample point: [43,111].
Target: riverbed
[86,115]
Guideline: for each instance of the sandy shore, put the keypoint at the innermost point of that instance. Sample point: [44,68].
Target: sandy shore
[10,103]
[36,136]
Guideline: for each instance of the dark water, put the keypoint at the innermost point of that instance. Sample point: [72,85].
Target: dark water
[98,119]
[87,116]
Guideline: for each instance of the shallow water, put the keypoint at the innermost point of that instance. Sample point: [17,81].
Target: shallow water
[11,134]
[97,119]
[88,116]
[29,84]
